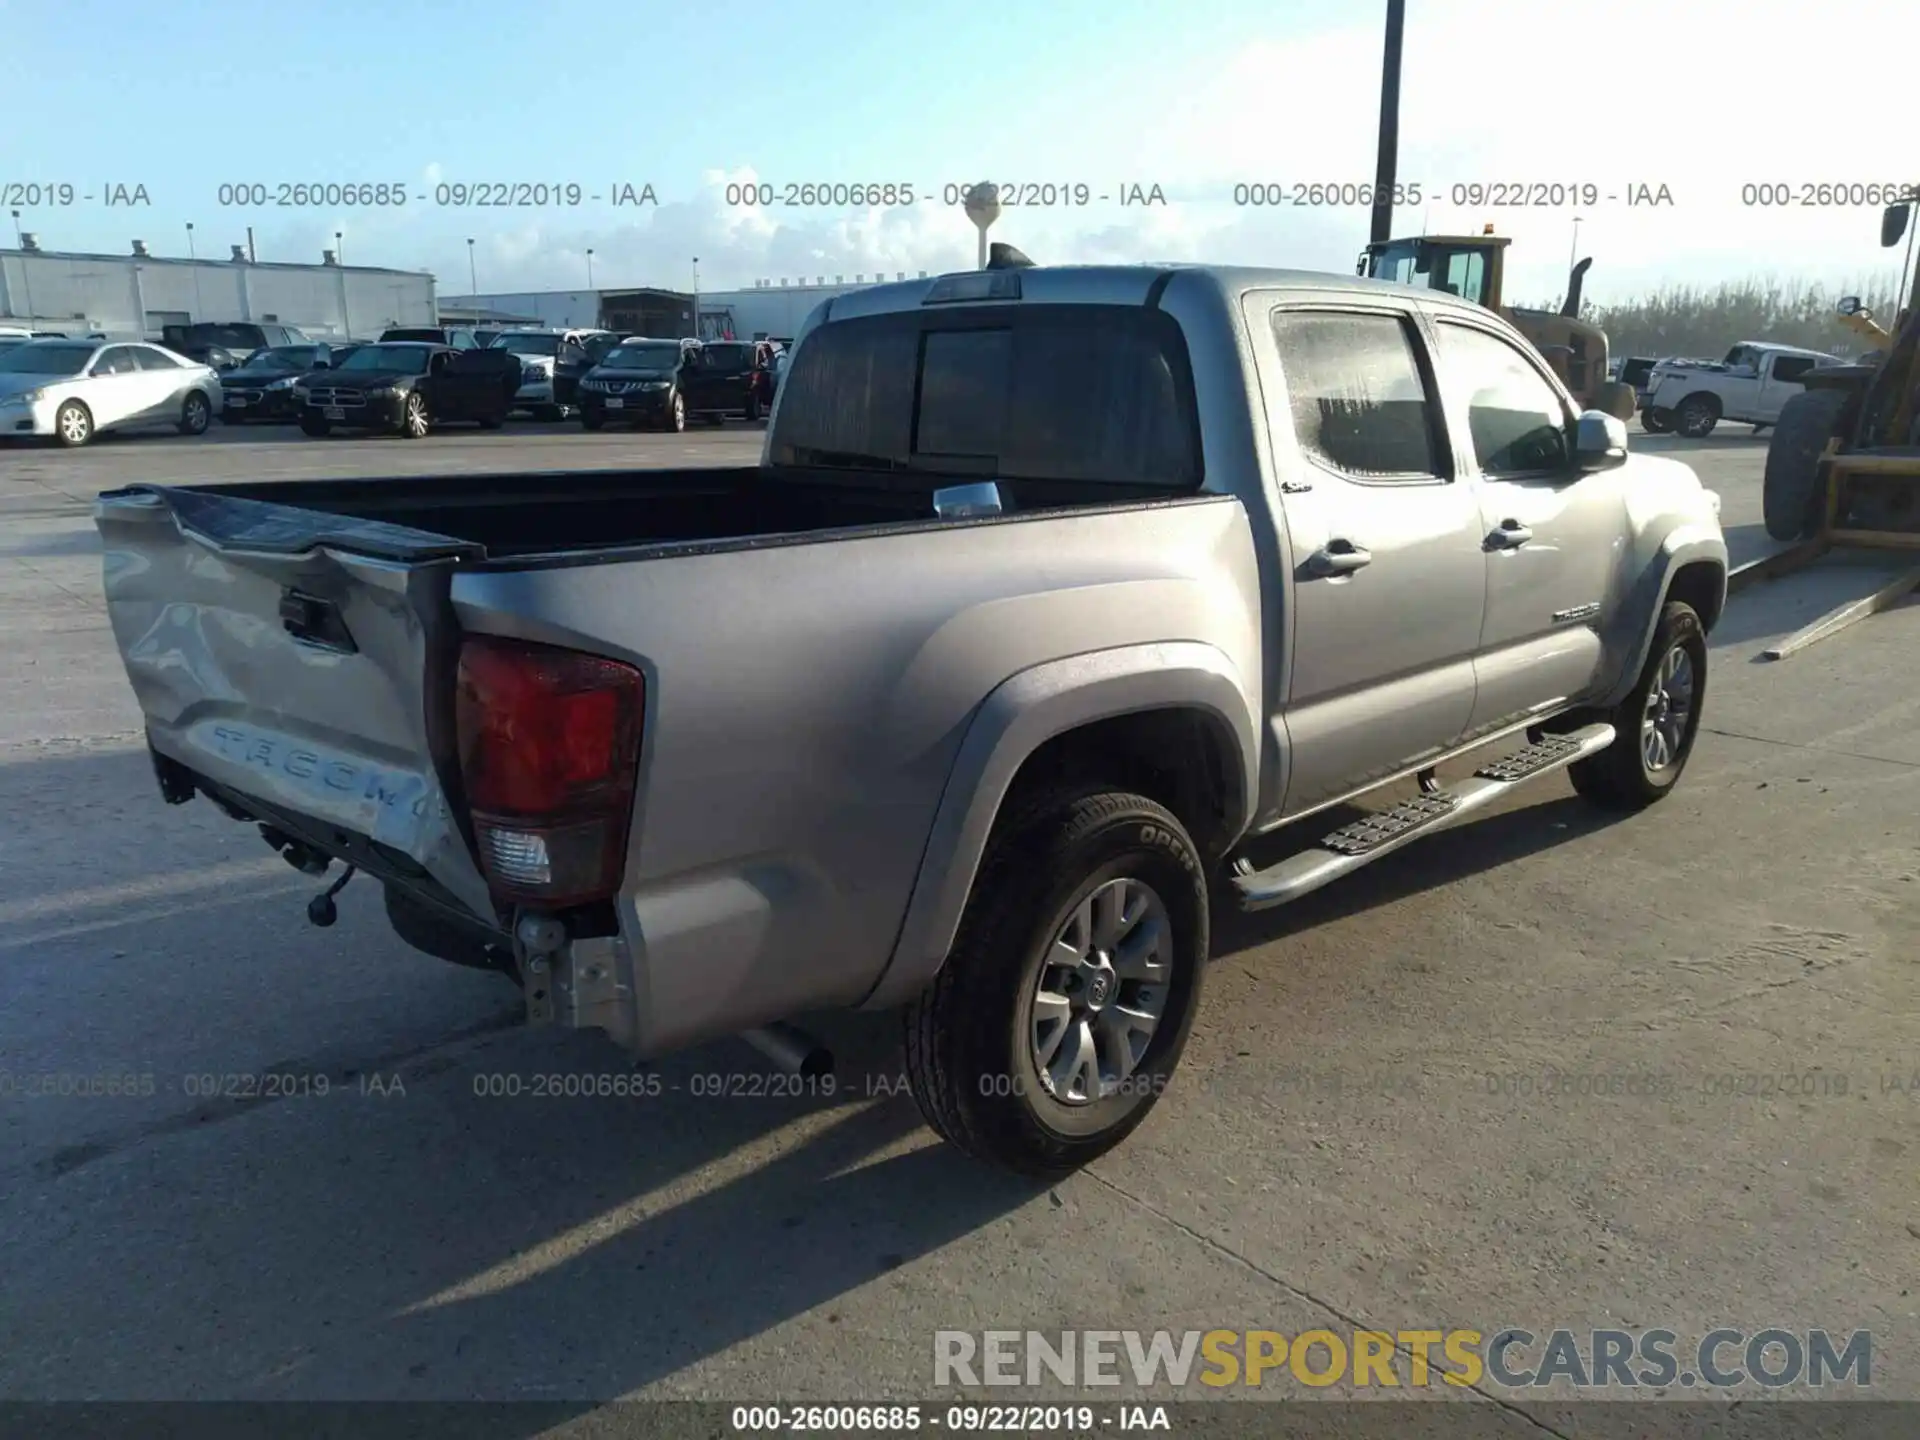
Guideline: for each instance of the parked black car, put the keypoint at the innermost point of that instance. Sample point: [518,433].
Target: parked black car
[226,344]
[726,378]
[408,388]
[263,388]
[638,382]
[455,337]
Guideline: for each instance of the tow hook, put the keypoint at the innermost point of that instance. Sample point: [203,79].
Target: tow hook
[321,910]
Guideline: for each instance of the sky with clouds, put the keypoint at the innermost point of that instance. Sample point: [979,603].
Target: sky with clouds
[205,108]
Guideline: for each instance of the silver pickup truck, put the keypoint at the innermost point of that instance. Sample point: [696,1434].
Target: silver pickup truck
[1054,589]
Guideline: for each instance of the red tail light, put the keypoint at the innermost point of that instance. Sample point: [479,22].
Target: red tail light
[549,752]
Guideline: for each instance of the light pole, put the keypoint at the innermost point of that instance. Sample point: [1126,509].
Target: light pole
[26,279]
[589,267]
[696,297]
[1573,250]
[1387,157]
[472,276]
[339,250]
[194,261]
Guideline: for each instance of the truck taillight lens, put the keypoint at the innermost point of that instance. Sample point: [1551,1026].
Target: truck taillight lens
[549,751]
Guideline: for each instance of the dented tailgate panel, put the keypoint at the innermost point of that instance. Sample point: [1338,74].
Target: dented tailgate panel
[285,668]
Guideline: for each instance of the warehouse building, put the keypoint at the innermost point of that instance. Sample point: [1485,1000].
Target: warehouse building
[770,308]
[132,296]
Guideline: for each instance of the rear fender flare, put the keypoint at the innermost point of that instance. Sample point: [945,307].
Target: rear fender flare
[1014,721]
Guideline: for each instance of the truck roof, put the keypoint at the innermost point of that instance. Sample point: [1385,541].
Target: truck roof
[1129,285]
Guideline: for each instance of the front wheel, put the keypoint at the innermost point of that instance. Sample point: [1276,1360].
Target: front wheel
[677,415]
[414,423]
[73,424]
[1061,1012]
[1656,723]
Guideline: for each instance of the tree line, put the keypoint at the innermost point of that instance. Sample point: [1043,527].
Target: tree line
[1702,322]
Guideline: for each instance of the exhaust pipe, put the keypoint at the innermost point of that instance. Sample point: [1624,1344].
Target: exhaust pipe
[1571,307]
[793,1050]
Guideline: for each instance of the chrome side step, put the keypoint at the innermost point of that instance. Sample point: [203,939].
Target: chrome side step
[1368,838]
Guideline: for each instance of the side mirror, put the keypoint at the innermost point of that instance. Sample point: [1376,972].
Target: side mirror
[1599,442]
[1893,223]
[1849,305]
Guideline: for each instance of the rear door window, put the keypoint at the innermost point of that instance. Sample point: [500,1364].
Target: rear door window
[1041,392]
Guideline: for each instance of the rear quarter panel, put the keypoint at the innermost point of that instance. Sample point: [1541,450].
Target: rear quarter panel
[806,704]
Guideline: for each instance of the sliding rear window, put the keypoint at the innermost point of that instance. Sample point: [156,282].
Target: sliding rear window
[1040,392]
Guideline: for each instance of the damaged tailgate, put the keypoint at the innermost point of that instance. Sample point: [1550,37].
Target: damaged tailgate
[302,660]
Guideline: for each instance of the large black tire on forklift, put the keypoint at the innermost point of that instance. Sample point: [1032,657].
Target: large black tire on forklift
[1790,494]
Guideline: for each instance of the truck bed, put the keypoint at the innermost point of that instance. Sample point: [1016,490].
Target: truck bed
[566,514]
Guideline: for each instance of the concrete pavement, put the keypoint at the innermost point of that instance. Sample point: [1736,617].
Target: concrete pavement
[1359,1135]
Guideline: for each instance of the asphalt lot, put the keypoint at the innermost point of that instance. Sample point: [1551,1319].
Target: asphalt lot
[1358,1137]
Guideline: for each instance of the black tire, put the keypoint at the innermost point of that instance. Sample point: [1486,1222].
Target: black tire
[1656,421]
[592,420]
[969,1055]
[315,425]
[195,414]
[1619,777]
[1695,416]
[676,421]
[1790,494]
[73,424]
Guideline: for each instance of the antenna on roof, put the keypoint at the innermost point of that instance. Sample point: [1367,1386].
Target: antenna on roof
[1001,256]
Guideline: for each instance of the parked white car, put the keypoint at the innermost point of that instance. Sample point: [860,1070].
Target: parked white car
[75,389]
[1751,385]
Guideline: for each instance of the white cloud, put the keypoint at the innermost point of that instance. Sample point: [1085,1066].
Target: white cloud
[1718,94]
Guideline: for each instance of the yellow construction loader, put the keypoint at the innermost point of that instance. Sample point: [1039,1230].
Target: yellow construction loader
[1843,468]
[1473,267]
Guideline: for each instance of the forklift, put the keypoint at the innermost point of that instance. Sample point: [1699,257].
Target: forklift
[1473,267]
[1843,468]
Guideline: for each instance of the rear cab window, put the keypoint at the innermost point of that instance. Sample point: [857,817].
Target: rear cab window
[1039,393]
[1363,405]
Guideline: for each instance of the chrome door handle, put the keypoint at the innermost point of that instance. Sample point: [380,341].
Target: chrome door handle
[1338,557]
[1510,536]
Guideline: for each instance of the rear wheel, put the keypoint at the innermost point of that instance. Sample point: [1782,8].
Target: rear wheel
[1790,493]
[73,424]
[1656,421]
[195,414]
[1696,416]
[1656,723]
[1062,1010]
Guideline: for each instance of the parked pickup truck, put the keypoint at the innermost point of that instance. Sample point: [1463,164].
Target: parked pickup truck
[1054,592]
[1750,385]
